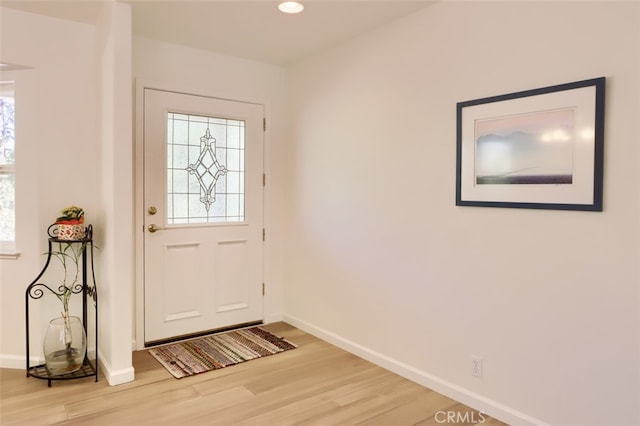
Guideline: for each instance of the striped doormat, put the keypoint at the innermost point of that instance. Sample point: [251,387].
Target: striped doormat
[219,350]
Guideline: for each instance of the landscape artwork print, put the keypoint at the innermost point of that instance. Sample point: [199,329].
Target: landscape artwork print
[533,148]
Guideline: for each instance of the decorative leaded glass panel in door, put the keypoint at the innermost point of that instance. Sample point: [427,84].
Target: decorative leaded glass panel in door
[205,169]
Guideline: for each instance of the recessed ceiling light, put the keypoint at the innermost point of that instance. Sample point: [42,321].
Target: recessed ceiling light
[291,7]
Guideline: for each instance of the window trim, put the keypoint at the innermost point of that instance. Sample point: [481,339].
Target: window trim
[8,249]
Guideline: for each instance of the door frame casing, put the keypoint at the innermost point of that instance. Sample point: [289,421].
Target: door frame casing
[140,86]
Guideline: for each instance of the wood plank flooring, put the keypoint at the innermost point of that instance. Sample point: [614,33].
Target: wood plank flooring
[315,384]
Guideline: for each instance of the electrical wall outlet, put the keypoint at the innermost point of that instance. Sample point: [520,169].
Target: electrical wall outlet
[476,366]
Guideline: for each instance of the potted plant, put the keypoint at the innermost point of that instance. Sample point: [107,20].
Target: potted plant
[71,223]
[65,340]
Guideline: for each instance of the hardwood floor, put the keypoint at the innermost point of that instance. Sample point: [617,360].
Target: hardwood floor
[315,384]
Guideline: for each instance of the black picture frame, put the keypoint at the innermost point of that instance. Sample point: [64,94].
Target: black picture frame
[536,149]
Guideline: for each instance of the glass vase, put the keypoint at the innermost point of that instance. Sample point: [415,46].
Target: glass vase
[65,345]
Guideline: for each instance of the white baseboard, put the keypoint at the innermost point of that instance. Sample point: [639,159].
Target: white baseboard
[274,317]
[115,377]
[16,362]
[451,390]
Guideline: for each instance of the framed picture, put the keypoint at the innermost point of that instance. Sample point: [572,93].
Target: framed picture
[536,149]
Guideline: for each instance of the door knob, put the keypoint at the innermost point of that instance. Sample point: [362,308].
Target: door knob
[153,228]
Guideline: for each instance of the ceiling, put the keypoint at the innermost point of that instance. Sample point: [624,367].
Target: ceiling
[252,29]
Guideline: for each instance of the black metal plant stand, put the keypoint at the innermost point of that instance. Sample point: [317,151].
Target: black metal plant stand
[88,291]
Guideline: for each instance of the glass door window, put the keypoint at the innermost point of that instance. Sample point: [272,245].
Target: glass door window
[205,169]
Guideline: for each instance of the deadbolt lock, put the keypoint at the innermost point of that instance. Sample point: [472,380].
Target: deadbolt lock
[152,210]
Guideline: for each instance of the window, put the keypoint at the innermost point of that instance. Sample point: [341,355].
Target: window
[7,167]
[205,169]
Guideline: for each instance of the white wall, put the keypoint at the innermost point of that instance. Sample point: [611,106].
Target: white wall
[56,151]
[116,203]
[382,262]
[73,129]
[174,67]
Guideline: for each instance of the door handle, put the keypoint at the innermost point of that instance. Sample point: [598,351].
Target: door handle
[153,228]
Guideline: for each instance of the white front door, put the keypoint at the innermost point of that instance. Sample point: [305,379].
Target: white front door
[203,185]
